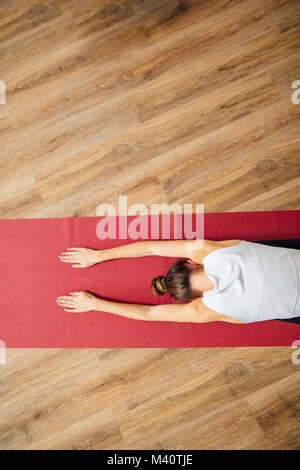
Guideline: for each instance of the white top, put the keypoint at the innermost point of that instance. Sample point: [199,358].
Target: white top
[254,282]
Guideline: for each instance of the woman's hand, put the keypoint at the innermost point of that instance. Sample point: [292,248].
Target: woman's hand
[81,257]
[77,302]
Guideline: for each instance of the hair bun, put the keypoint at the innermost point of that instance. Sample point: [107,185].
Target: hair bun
[159,285]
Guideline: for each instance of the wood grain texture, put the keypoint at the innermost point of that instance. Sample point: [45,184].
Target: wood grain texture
[163,101]
[225,398]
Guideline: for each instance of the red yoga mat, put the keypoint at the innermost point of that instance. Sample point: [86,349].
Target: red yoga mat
[32,277]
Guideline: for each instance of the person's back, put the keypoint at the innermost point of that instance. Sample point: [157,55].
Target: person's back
[254,282]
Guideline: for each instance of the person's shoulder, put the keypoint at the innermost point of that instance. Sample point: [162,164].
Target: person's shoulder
[198,249]
[205,314]
[213,245]
[201,312]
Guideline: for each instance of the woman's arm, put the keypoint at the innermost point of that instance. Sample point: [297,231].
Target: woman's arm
[85,257]
[192,249]
[191,312]
[78,302]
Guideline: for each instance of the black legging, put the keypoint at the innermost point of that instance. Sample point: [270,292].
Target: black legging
[289,243]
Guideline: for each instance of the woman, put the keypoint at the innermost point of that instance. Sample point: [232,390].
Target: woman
[235,281]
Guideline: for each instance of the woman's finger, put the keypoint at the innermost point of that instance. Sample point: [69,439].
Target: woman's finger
[65,303]
[73,249]
[68,255]
[68,299]
[69,310]
[64,297]
[71,253]
[68,260]
[77,266]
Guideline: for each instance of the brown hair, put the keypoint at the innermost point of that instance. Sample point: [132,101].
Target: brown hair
[176,282]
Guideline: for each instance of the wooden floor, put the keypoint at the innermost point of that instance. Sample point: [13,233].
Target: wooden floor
[163,101]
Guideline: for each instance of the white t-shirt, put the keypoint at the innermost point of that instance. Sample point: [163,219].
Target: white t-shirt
[254,282]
